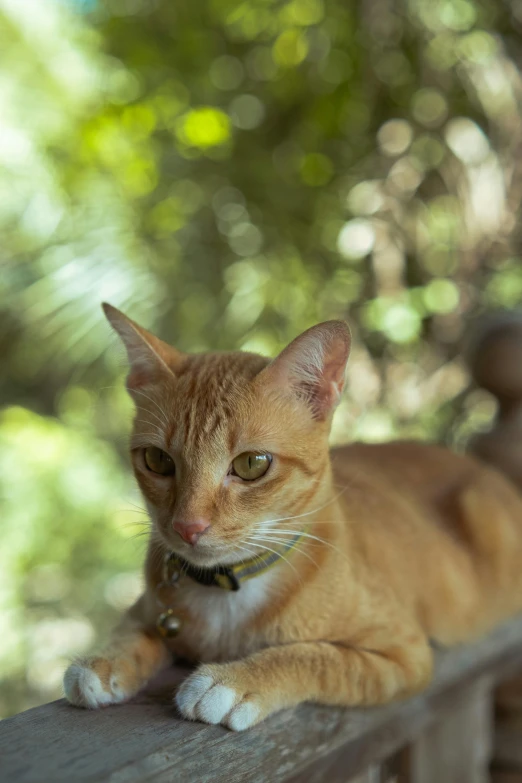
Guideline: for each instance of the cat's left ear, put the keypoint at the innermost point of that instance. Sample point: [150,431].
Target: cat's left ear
[313,367]
[150,359]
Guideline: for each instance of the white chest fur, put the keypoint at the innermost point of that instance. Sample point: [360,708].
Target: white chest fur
[219,619]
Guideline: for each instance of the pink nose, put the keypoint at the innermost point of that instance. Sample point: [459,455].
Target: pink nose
[191,532]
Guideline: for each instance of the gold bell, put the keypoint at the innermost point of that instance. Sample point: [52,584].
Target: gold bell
[168,624]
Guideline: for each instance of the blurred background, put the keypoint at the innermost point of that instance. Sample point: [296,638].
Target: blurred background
[230,172]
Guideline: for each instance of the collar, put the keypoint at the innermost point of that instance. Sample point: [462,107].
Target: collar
[228,577]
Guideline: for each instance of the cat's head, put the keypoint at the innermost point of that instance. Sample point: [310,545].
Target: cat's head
[225,445]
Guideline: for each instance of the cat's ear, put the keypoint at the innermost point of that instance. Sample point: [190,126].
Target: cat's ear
[313,367]
[150,359]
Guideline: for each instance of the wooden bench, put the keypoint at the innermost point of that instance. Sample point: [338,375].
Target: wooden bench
[444,735]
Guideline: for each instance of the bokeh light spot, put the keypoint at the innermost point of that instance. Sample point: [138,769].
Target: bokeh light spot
[401,323]
[356,239]
[441,296]
[366,198]
[303,12]
[290,48]
[394,137]
[246,112]
[245,239]
[478,47]
[429,107]
[204,127]
[467,141]
[226,72]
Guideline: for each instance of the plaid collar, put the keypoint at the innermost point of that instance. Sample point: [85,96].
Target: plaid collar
[228,577]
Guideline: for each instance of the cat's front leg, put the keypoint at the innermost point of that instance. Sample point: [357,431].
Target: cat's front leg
[242,693]
[133,656]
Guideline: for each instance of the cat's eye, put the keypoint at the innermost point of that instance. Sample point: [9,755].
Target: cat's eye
[251,465]
[159,461]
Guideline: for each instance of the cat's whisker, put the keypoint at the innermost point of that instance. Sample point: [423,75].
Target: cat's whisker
[316,522]
[122,440]
[280,540]
[140,534]
[133,531]
[144,522]
[131,503]
[164,420]
[151,413]
[277,531]
[150,423]
[298,547]
[308,513]
[143,440]
[267,549]
[244,549]
[161,410]
[274,533]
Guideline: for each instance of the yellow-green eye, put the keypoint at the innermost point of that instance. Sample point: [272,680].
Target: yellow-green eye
[159,461]
[250,466]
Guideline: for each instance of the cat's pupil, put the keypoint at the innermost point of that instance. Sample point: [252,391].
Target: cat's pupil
[251,465]
[158,461]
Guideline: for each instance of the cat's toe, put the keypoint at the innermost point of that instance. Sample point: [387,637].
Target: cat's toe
[205,696]
[191,692]
[216,704]
[243,716]
[84,688]
[95,683]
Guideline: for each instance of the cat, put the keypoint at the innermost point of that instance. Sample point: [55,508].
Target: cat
[286,571]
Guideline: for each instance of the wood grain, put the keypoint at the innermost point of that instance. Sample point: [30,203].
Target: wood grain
[372,775]
[145,741]
[457,747]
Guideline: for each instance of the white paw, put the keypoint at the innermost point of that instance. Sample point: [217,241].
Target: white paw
[243,716]
[83,688]
[200,697]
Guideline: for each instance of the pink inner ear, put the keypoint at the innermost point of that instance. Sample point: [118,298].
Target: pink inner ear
[325,395]
[334,370]
[314,365]
[311,368]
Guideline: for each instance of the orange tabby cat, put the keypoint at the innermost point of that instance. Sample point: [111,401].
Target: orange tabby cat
[373,549]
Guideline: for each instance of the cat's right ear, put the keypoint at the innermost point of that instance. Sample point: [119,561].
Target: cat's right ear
[150,359]
[312,368]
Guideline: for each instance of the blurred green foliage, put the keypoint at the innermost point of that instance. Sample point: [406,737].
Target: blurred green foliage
[230,172]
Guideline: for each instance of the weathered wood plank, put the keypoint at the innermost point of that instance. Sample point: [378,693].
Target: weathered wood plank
[373,774]
[145,741]
[508,696]
[508,741]
[457,747]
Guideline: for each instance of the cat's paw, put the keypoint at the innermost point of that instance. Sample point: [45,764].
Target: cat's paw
[219,694]
[94,683]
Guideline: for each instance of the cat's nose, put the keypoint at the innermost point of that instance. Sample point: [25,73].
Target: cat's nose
[191,532]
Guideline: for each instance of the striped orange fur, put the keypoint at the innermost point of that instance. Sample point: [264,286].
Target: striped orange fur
[404,543]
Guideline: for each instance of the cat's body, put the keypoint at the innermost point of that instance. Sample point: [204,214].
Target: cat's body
[404,543]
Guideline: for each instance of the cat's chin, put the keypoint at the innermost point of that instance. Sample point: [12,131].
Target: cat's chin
[209,556]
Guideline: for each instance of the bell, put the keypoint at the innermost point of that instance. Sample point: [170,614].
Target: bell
[168,624]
